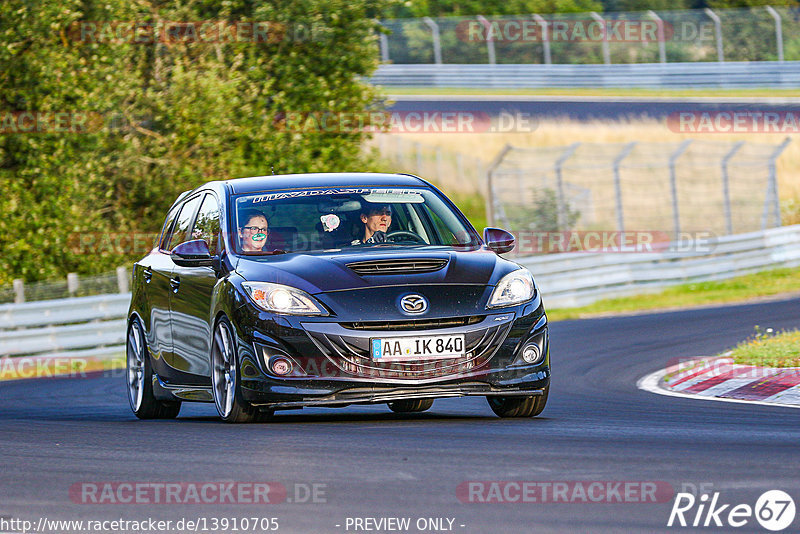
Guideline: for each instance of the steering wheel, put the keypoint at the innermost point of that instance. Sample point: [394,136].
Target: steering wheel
[410,235]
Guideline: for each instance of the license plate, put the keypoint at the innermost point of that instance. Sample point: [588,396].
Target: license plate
[398,349]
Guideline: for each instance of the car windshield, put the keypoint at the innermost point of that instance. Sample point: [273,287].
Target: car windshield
[311,220]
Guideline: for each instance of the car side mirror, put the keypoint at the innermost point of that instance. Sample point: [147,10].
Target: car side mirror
[192,253]
[499,240]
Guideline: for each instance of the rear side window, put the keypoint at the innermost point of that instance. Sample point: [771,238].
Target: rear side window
[180,232]
[165,231]
[206,227]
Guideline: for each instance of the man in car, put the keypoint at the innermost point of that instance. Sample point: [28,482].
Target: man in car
[377,219]
[253,233]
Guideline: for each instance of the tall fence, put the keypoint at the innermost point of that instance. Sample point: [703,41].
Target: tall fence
[71,286]
[721,187]
[453,171]
[750,34]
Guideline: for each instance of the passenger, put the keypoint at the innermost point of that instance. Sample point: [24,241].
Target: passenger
[377,219]
[253,234]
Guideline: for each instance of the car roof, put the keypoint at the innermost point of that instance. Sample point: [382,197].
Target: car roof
[313,180]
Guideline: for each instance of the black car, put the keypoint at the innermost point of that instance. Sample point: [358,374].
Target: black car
[282,292]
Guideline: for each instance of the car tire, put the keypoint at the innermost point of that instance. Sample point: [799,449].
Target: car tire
[518,406]
[410,406]
[226,378]
[139,375]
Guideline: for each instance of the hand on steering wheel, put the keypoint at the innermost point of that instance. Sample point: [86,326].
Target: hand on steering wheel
[406,234]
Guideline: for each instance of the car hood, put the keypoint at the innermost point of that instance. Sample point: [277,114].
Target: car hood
[328,271]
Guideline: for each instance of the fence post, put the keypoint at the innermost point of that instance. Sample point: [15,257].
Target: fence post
[778,31]
[383,39]
[726,194]
[437,42]
[72,284]
[718,30]
[562,216]
[673,186]
[460,168]
[490,183]
[606,52]
[122,279]
[772,188]
[487,26]
[418,148]
[662,46]
[439,173]
[618,185]
[19,291]
[545,38]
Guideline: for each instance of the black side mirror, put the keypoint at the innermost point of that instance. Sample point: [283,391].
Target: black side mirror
[192,253]
[499,240]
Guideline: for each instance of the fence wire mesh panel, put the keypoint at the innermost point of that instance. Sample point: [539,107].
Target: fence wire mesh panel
[689,186]
[449,170]
[79,286]
[749,34]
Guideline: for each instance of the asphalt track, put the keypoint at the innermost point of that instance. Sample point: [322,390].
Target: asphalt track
[590,108]
[596,427]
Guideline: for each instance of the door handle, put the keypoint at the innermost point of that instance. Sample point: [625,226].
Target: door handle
[175,283]
[147,274]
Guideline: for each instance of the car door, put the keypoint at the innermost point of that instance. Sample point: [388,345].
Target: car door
[167,281]
[152,273]
[190,303]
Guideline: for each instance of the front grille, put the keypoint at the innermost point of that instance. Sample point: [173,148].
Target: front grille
[349,350]
[426,324]
[406,266]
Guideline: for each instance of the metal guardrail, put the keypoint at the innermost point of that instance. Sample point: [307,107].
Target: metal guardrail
[73,327]
[577,279]
[778,74]
[94,327]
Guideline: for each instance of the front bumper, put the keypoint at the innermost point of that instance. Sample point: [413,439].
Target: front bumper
[331,364]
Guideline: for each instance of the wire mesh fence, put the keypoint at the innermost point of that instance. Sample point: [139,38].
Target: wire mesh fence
[71,286]
[720,187]
[748,34]
[449,170]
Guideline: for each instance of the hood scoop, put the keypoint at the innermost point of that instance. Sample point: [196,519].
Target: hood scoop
[397,266]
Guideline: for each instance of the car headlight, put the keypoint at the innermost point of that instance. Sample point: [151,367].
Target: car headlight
[282,299]
[512,289]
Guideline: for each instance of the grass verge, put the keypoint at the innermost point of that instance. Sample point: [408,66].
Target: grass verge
[572,91]
[741,288]
[769,349]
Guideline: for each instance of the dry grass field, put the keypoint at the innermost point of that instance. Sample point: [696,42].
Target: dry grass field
[564,132]
[555,133]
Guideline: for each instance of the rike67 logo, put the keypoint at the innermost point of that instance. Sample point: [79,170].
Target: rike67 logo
[774,510]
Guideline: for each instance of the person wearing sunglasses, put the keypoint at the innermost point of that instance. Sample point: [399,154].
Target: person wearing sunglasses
[253,234]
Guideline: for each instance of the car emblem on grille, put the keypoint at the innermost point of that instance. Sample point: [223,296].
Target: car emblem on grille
[414,304]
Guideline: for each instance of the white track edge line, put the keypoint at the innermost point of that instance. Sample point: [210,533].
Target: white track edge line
[650,383]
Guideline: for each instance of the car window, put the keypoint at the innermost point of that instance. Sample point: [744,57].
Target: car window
[323,219]
[165,231]
[206,227]
[180,232]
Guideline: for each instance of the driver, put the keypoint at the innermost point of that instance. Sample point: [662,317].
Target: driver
[253,233]
[377,219]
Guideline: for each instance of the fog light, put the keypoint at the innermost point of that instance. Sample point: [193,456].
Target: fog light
[531,353]
[280,366]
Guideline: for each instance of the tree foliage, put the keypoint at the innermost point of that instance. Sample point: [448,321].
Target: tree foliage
[173,112]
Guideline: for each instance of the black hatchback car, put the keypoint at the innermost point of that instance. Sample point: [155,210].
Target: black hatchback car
[283,292]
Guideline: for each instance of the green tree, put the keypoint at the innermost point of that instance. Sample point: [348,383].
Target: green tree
[174,112]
